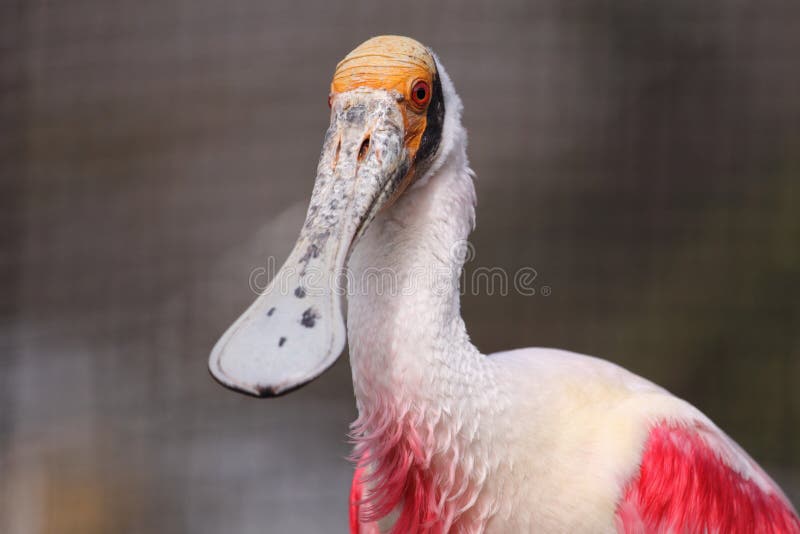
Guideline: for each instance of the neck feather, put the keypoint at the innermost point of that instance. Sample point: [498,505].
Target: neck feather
[420,384]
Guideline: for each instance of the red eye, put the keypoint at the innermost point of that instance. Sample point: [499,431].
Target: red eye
[420,93]
[330,100]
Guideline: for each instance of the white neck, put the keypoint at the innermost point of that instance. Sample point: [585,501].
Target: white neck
[404,323]
[421,387]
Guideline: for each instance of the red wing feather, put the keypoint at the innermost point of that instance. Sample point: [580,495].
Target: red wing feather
[687,482]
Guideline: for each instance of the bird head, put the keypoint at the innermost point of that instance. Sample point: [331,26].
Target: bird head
[388,129]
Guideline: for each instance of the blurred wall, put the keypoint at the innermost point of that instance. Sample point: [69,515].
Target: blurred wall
[643,157]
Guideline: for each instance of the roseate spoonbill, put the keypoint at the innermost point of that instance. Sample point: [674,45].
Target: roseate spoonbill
[448,439]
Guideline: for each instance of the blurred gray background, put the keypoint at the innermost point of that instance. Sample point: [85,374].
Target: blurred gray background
[643,157]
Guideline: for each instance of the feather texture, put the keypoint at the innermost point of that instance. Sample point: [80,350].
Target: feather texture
[685,484]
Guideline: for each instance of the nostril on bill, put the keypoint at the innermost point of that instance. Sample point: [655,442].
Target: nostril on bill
[336,155]
[362,151]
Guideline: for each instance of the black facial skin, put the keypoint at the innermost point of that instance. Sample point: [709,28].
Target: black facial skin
[432,136]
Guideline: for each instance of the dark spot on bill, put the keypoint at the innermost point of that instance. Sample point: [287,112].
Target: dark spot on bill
[309,318]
